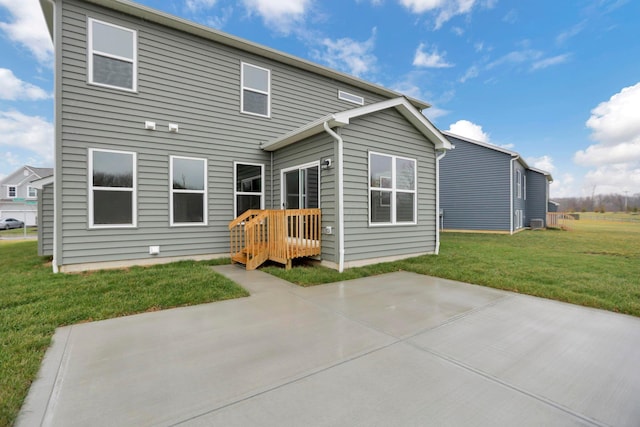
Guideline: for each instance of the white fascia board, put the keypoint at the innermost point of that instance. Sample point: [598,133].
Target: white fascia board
[343,118]
[39,183]
[301,133]
[545,173]
[480,143]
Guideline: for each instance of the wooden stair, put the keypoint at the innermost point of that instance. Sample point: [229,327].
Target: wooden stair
[278,235]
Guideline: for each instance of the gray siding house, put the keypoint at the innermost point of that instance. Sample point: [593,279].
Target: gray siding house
[487,188]
[167,130]
[19,197]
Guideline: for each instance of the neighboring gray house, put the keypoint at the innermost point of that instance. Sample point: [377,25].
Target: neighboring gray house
[167,130]
[488,188]
[19,197]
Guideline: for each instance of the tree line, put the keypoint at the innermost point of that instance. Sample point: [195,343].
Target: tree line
[600,203]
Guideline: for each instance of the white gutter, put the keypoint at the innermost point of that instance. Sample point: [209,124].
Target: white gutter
[340,195]
[438,158]
[511,201]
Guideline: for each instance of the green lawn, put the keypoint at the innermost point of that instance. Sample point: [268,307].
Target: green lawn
[34,301]
[596,264]
[18,232]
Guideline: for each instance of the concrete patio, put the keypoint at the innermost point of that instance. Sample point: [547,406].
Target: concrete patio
[397,349]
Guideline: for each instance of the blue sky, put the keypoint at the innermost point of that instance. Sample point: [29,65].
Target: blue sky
[556,81]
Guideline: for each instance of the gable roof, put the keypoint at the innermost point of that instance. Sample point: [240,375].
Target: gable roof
[343,118]
[162,18]
[40,172]
[501,150]
[17,177]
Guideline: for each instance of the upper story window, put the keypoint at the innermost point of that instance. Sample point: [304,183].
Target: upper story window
[349,97]
[249,187]
[392,189]
[188,191]
[12,191]
[256,90]
[112,188]
[32,192]
[112,56]
[519,184]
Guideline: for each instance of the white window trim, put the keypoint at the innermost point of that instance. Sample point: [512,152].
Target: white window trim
[298,167]
[237,193]
[524,186]
[393,191]
[519,184]
[204,192]
[349,97]
[35,190]
[15,191]
[242,89]
[133,190]
[91,51]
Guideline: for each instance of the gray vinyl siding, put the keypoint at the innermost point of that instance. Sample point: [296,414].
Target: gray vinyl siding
[475,187]
[182,79]
[45,220]
[386,132]
[315,148]
[537,189]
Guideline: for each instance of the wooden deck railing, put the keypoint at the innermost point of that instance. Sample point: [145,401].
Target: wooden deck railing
[559,220]
[276,235]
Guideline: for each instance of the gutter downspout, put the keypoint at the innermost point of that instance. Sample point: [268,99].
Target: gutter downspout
[57,152]
[340,236]
[271,182]
[438,158]
[511,198]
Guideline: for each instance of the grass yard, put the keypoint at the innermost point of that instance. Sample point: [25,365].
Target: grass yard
[34,302]
[19,232]
[596,264]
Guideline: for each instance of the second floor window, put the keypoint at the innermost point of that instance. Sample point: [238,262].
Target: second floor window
[112,56]
[32,193]
[12,191]
[256,90]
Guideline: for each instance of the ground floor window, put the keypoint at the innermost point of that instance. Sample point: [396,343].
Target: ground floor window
[112,188]
[249,187]
[188,190]
[392,189]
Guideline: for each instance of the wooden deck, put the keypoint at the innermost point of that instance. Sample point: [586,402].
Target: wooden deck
[276,235]
[559,220]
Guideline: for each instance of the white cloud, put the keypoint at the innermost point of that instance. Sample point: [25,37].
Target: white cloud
[511,17]
[543,162]
[12,88]
[28,28]
[563,186]
[221,20]
[446,9]
[196,5]
[516,57]
[429,60]
[349,55]
[548,62]
[30,133]
[469,130]
[571,32]
[616,154]
[280,15]
[471,73]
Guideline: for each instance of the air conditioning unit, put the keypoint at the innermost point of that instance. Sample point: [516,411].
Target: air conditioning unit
[537,224]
